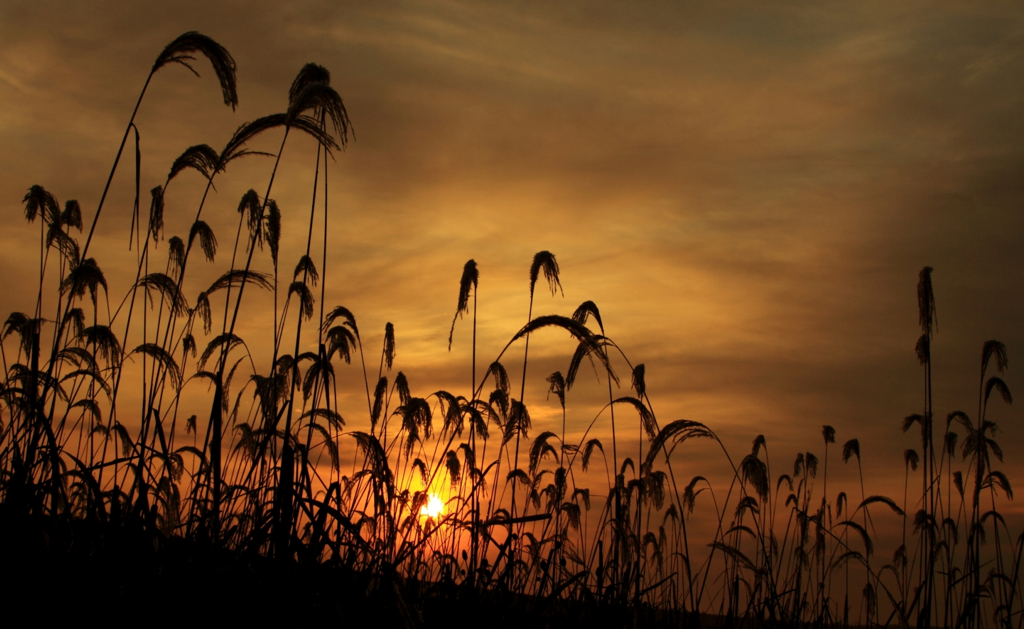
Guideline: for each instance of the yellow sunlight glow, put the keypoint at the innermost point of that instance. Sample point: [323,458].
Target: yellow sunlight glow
[433,508]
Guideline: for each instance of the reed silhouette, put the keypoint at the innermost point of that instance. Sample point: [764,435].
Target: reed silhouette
[251,497]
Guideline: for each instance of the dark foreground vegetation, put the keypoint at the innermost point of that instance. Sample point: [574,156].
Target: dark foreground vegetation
[119,571]
[115,501]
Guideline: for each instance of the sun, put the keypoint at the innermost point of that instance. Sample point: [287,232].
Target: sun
[433,508]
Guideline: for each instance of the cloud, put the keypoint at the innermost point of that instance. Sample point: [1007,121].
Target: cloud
[747,192]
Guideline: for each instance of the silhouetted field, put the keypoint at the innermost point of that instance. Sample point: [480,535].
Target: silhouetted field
[118,504]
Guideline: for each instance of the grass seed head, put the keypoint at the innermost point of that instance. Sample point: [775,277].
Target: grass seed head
[183,50]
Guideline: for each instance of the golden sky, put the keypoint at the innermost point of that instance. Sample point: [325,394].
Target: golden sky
[748,193]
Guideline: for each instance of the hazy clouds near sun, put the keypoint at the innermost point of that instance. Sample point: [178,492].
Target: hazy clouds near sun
[747,193]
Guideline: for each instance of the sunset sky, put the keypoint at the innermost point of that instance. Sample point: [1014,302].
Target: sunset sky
[747,192]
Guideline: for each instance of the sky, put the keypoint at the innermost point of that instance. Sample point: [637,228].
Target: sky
[747,191]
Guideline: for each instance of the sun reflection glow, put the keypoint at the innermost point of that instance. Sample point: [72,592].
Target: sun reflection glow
[433,508]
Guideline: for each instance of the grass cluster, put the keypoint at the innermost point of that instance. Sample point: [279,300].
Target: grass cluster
[250,505]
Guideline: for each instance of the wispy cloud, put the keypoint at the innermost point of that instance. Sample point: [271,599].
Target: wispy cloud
[746,191]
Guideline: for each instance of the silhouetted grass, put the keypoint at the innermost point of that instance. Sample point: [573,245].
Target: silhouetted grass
[248,509]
